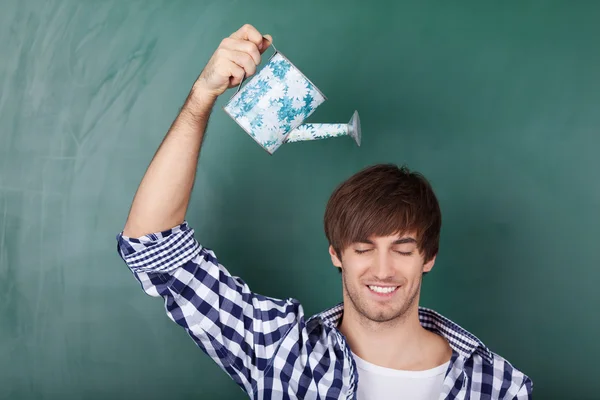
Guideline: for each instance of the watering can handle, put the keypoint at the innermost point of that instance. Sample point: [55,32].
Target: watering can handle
[244,78]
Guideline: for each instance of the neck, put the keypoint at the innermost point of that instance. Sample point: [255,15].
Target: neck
[399,344]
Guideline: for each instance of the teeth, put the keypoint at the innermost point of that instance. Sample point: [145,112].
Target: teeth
[380,289]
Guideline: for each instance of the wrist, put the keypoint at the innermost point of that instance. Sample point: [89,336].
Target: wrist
[200,101]
[203,94]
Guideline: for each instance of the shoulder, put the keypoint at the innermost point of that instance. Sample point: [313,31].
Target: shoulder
[493,375]
[497,377]
[322,327]
[489,373]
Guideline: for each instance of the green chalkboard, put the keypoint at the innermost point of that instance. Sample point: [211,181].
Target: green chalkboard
[497,103]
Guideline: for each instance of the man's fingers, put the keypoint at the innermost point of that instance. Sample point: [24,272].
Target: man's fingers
[239,55]
[243,46]
[236,74]
[248,32]
[245,61]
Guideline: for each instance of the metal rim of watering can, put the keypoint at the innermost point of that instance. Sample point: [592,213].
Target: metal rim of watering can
[304,76]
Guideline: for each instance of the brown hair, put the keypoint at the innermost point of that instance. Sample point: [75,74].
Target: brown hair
[381,200]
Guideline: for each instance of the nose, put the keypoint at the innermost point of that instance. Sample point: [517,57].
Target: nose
[383,267]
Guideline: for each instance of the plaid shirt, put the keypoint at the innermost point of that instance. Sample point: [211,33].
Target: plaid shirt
[268,346]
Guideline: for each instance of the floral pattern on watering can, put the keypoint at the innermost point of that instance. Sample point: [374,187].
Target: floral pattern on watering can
[274,102]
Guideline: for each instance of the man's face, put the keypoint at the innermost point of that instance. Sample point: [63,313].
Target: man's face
[382,275]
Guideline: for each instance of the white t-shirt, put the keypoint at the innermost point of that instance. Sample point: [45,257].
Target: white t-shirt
[380,383]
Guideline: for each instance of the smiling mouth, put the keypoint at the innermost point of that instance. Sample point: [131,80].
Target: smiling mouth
[383,290]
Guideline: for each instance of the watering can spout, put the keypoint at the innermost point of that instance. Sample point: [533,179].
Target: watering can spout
[323,131]
[355,130]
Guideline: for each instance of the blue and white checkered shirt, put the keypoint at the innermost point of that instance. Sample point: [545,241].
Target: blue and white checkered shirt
[268,346]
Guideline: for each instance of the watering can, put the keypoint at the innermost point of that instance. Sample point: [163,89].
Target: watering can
[273,105]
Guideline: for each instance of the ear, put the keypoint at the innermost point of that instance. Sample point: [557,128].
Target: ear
[334,258]
[428,266]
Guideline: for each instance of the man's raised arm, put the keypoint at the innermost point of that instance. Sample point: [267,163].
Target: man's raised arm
[162,198]
[238,329]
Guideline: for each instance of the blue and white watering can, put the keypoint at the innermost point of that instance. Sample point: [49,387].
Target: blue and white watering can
[275,102]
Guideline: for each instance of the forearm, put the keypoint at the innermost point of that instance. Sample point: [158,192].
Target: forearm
[163,196]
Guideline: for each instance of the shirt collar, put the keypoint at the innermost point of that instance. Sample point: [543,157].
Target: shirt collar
[464,343]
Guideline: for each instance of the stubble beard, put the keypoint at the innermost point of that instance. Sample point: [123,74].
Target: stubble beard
[388,316]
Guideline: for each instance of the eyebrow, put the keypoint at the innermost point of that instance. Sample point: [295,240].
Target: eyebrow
[405,240]
[399,241]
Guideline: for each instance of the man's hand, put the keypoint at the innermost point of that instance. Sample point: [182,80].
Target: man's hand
[236,57]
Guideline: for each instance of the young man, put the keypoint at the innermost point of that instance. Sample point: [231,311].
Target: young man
[383,227]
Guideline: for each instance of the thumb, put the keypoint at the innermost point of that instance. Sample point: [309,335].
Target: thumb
[266,42]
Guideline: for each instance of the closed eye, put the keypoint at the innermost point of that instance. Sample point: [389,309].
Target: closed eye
[404,253]
[361,251]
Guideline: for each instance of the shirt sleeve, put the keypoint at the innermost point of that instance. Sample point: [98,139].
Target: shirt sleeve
[240,330]
[525,391]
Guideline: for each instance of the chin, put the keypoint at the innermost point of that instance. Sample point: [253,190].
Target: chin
[378,313]
[383,316]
